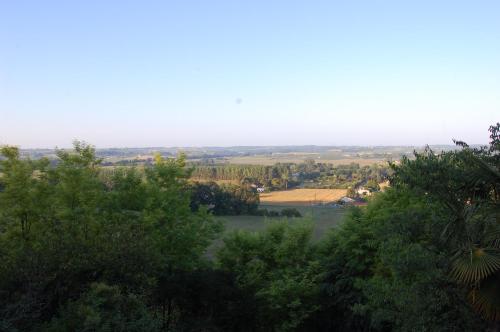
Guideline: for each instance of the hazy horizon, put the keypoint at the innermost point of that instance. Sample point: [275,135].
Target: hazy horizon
[70,145]
[221,73]
[246,146]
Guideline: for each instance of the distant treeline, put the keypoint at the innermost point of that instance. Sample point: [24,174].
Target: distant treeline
[308,173]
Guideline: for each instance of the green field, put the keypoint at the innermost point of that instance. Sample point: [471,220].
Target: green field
[324,219]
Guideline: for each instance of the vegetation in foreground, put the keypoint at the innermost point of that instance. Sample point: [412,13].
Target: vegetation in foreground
[86,250]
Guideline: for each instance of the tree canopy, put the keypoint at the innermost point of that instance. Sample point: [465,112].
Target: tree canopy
[87,248]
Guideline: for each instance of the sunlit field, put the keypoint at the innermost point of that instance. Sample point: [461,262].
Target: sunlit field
[302,196]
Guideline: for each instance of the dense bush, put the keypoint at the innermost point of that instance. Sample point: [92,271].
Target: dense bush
[287,212]
[64,228]
[290,213]
[224,200]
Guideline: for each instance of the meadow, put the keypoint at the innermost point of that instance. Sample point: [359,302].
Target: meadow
[324,219]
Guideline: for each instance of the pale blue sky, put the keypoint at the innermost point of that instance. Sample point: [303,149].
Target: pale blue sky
[184,73]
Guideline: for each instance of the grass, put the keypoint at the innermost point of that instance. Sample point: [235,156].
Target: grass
[324,219]
[302,196]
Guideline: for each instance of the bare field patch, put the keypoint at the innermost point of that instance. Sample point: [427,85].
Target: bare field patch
[302,196]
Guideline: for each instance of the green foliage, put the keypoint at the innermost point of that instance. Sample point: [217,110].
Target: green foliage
[90,249]
[178,234]
[351,192]
[224,200]
[286,212]
[104,308]
[372,185]
[388,269]
[283,176]
[408,287]
[291,213]
[65,227]
[278,267]
[467,184]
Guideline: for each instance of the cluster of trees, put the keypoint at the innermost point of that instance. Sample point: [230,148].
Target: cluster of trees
[86,250]
[224,199]
[83,250]
[370,185]
[309,174]
[320,175]
[286,212]
[276,177]
[232,200]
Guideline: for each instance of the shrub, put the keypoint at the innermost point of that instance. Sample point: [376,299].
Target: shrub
[273,214]
[291,213]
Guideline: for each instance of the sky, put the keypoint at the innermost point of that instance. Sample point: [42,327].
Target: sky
[226,73]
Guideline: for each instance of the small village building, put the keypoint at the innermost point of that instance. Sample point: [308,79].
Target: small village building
[362,191]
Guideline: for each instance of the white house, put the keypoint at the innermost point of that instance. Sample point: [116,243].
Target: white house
[363,192]
[261,189]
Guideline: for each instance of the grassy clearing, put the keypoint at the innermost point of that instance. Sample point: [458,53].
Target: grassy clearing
[302,196]
[324,219]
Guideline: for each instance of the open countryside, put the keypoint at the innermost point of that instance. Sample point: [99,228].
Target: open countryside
[250,166]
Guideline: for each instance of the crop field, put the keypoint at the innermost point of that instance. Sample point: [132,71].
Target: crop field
[302,196]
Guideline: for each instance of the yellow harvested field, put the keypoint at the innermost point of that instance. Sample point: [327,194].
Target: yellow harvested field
[302,196]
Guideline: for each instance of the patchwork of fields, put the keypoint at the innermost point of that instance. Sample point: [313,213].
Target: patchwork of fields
[302,196]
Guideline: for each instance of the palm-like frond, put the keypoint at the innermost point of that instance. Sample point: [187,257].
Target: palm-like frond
[486,299]
[474,264]
[485,176]
[490,171]
[492,237]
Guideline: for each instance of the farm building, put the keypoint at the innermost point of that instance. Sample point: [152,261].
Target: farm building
[362,191]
